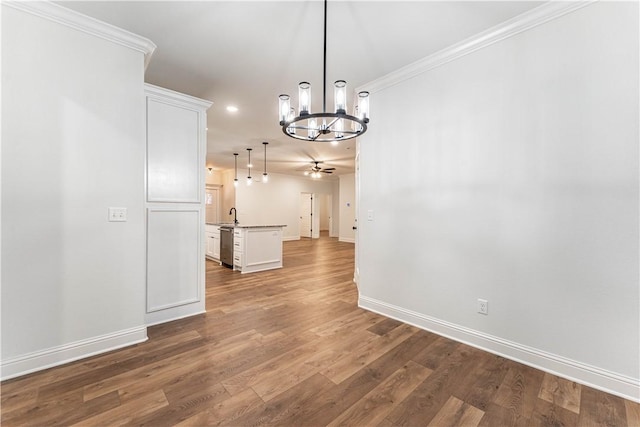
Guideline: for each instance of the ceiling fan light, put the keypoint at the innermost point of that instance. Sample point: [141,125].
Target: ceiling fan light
[265,178]
[340,96]
[304,98]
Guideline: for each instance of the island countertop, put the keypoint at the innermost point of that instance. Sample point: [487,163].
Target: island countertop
[258,225]
[231,225]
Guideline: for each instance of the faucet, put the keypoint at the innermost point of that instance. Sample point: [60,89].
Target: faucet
[235,215]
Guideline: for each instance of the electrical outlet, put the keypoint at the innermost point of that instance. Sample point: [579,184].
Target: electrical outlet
[483,306]
[117,214]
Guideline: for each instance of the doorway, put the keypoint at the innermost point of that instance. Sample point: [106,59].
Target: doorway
[324,208]
[212,204]
[306,214]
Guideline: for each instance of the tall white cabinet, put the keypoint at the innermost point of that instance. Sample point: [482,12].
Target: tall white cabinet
[175,165]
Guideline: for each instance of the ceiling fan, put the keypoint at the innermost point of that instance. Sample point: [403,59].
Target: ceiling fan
[316,170]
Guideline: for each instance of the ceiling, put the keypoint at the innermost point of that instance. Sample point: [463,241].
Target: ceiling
[245,54]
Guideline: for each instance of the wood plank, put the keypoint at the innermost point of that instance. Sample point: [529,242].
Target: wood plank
[632,410]
[427,399]
[333,402]
[346,367]
[488,376]
[375,405]
[496,415]
[456,413]
[386,326]
[66,409]
[123,414]
[547,414]
[225,412]
[518,392]
[561,392]
[600,409]
[432,356]
[227,350]
[287,405]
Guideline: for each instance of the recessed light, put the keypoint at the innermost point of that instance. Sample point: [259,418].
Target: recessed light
[232,109]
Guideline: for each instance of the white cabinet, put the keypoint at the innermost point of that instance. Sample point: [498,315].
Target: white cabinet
[238,246]
[175,157]
[212,237]
[257,248]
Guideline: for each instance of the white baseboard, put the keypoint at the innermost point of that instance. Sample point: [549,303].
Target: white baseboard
[39,360]
[601,379]
[175,313]
[290,238]
[347,239]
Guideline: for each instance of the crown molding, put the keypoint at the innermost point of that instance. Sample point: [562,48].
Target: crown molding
[183,99]
[523,22]
[77,21]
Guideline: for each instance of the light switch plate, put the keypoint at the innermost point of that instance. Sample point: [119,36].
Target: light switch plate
[117,214]
[370,215]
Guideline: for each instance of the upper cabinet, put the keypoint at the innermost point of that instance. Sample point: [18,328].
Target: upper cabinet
[176,146]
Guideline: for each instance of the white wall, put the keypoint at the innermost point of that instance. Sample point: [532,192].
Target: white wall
[325,211]
[228,195]
[73,138]
[347,208]
[277,202]
[335,209]
[213,178]
[514,178]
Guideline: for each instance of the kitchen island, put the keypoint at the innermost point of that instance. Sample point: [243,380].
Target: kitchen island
[257,247]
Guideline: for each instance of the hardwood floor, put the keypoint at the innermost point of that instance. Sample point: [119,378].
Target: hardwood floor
[290,347]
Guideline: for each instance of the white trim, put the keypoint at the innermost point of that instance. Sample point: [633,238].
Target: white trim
[347,239]
[174,98]
[601,379]
[86,24]
[43,359]
[523,22]
[159,320]
[290,238]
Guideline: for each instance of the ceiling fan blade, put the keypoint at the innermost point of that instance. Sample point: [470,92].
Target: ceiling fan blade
[329,169]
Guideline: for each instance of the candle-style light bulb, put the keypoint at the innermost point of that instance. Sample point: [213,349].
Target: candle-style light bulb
[292,115]
[285,104]
[313,128]
[304,98]
[340,96]
[338,128]
[363,105]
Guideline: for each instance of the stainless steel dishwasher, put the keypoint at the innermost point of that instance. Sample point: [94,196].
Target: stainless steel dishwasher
[226,246]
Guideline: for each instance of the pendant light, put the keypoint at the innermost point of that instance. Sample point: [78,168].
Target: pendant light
[324,126]
[249,166]
[265,177]
[235,180]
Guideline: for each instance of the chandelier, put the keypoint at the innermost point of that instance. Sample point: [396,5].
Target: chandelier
[325,126]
